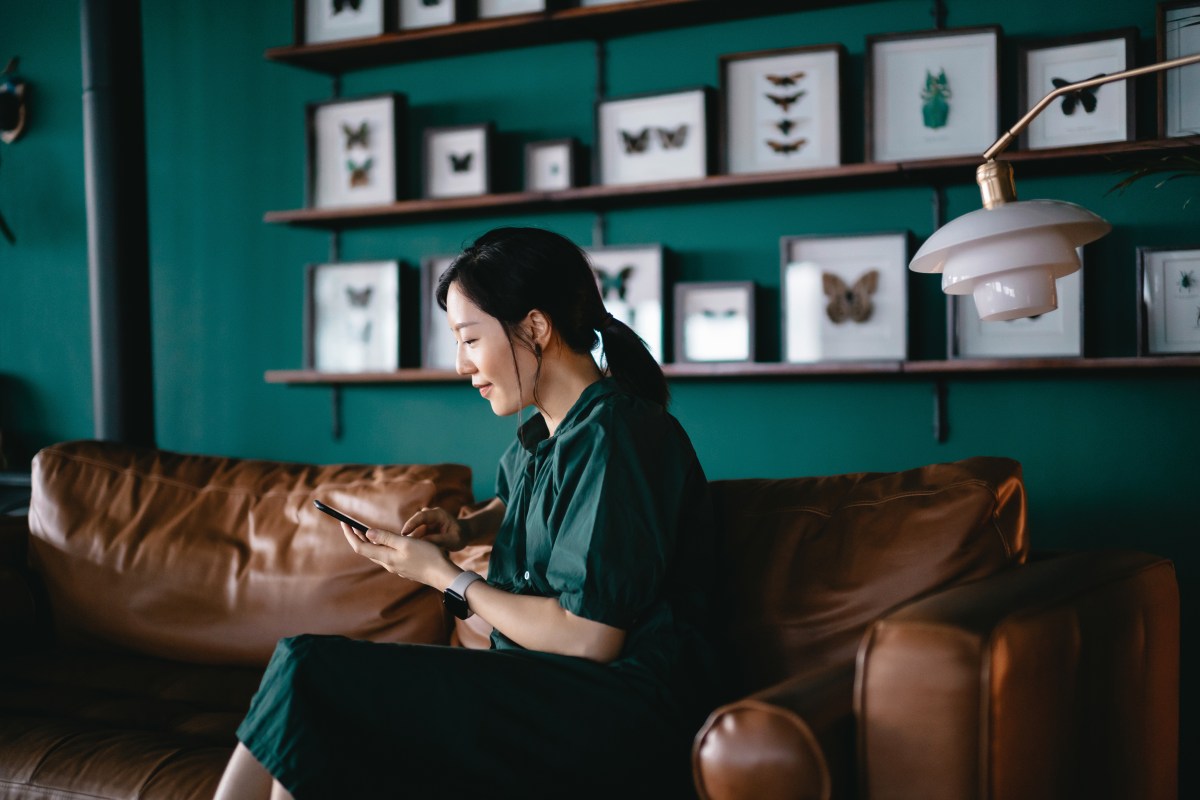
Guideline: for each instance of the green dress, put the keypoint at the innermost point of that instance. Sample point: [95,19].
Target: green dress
[612,517]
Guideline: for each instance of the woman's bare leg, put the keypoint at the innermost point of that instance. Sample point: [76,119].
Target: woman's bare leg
[246,779]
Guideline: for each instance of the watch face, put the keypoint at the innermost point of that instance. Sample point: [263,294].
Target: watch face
[456,604]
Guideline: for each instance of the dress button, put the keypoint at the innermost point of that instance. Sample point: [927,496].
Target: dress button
[526,574]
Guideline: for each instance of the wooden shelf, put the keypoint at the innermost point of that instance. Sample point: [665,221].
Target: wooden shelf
[739,371]
[846,177]
[524,30]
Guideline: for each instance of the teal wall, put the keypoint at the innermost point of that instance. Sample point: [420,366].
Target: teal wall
[1109,459]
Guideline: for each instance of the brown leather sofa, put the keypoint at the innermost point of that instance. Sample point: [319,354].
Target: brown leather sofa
[889,633]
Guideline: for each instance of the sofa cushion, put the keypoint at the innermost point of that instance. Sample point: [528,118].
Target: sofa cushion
[811,562]
[212,560]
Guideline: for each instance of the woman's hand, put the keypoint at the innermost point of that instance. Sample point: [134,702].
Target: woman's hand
[436,526]
[406,556]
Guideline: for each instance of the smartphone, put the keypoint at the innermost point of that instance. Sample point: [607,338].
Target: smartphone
[338,515]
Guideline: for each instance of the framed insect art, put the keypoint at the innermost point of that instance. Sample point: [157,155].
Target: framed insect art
[1169,301]
[1179,89]
[353,148]
[781,109]
[352,321]
[714,321]
[553,164]
[1057,333]
[1087,116]
[438,345]
[334,20]
[932,94]
[655,138]
[630,278]
[506,8]
[845,298]
[429,13]
[457,160]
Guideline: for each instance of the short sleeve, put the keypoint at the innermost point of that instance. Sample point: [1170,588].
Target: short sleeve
[617,478]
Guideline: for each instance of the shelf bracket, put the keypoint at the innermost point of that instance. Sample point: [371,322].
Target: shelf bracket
[938,204]
[941,414]
[335,408]
[938,12]
[601,70]
[599,228]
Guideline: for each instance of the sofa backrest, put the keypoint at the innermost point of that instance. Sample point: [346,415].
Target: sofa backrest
[811,562]
[209,559]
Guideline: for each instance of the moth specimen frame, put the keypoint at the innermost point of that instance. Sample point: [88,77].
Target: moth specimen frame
[354,150]
[456,160]
[656,137]
[932,94]
[1100,114]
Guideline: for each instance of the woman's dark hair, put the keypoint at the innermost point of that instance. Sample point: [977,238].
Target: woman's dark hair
[509,272]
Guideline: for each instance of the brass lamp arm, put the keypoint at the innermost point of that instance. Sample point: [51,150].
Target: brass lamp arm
[1005,140]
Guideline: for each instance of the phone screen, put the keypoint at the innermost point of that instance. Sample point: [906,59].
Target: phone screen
[338,515]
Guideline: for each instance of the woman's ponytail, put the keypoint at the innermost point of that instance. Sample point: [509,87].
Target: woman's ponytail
[630,363]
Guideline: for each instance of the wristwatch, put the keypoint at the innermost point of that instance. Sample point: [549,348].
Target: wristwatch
[455,596]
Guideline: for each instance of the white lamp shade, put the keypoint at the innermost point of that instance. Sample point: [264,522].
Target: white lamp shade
[1009,256]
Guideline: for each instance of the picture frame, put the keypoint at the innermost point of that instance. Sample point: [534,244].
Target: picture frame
[1090,116]
[352,317]
[631,279]
[354,148]
[487,9]
[715,322]
[911,79]
[1178,35]
[845,297]
[457,160]
[1168,301]
[439,348]
[654,138]
[781,109]
[1057,333]
[553,164]
[417,14]
[318,21]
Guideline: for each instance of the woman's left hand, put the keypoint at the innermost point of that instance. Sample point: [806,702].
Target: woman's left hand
[405,556]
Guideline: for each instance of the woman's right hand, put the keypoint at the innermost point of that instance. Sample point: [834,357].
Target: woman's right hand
[437,526]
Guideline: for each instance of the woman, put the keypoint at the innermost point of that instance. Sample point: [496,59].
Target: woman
[600,670]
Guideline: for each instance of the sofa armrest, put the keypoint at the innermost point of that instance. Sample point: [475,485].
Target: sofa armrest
[1058,678]
[21,611]
[791,740]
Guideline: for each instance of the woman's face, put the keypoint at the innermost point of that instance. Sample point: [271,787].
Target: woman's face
[485,354]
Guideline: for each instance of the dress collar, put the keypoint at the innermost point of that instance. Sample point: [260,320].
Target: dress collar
[535,431]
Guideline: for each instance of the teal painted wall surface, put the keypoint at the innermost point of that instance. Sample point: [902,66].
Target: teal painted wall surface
[1109,459]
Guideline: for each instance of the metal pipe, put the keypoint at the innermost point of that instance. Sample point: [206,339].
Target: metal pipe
[118,240]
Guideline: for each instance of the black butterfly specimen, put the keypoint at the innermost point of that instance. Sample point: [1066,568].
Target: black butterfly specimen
[1082,97]
[850,302]
[359,298]
[461,163]
[613,284]
[785,80]
[672,139]
[785,101]
[785,126]
[340,5]
[636,142]
[356,135]
[786,148]
[358,172]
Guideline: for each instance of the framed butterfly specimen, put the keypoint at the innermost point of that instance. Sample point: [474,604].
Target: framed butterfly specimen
[656,137]
[353,151]
[1178,26]
[932,94]
[352,317]
[439,348]
[714,321]
[1057,333]
[631,280]
[457,160]
[781,109]
[553,164]
[845,298]
[1169,301]
[415,14]
[506,8]
[1086,116]
[335,20]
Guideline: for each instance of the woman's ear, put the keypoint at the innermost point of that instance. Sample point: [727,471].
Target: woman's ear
[540,328]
